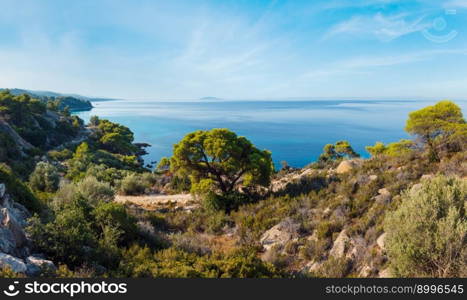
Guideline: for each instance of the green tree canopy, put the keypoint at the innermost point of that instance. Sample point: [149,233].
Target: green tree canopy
[218,160]
[339,150]
[392,149]
[437,125]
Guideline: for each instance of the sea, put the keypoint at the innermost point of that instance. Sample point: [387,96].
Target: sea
[294,131]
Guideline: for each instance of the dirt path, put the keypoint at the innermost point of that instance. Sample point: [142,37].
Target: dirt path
[155,202]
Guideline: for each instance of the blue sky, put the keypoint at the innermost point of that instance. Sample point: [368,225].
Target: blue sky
[236,49]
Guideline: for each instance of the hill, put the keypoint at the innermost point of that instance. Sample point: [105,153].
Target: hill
[73,102]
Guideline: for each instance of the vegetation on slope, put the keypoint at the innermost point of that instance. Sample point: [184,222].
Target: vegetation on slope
[340,216]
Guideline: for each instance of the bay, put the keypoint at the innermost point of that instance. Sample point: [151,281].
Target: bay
[294,131]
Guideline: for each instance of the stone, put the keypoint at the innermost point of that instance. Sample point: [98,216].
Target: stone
[2,190]
[313,266]
[427,176]
[15,264]
[358,249]
[340,245]
[35,265]
[386,273]
[9,222]
[373,177]
[279,234]
[384,191]
[366,271]
[380,241]
[345,167]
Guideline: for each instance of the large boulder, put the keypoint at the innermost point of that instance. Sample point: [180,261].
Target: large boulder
[340,245]
[280,234]
[13,218]
[347,166]
[36,264]
[15,264]
[383,197]
[381,241]
[357,249]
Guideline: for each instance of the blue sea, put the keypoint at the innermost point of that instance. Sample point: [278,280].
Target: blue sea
[294,131]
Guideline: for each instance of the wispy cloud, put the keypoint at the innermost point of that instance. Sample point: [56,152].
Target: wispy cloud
[384,28]
[456,3]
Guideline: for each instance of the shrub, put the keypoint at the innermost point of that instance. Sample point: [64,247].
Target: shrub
[90,189]
[18,190]
[44,178]
[427,233]
[134,185]
[227,202]
[333,268]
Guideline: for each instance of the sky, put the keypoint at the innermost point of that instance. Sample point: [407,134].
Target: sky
[243,49]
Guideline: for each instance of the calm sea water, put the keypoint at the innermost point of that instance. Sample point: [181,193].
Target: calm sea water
[295,131]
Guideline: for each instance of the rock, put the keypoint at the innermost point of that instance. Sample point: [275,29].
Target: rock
[2,190]
[340,245]
[340,212]
[327,211]
[384,196]
[8,221]
[280,234]
[427,176]
[347,166]
[384,191]
[386,273]
[36,264]
[358,249]
[313,237]
[373,177]
[15,264]
[313,266]
[366,271]
[381,241]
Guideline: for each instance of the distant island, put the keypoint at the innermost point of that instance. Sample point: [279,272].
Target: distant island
[210,99]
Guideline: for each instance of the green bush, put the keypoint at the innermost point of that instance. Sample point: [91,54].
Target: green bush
[227,202]
[134,184]
[90,189]
[18,190]
[426,235]
[44,178]
[173,263]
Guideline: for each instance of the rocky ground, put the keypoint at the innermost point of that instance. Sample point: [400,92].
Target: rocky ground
[14,244]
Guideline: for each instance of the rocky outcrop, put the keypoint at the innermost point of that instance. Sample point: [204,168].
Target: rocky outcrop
[7,129]
[280,234]
[340,245]
[14,244]
[383,197]
[380,241]
[292,178]
[347,166]
[34,265]
[15,264]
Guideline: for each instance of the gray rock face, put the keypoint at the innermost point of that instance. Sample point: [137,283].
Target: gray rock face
[14,245]
[36,264]
[14,263]
[280,234]
[340,245]
[384,196]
